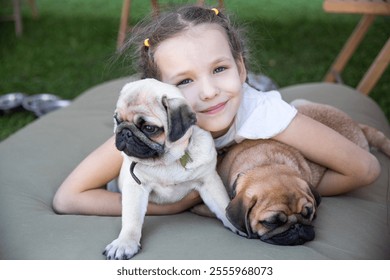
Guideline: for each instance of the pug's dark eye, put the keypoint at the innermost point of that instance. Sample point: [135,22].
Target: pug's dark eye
[151,130]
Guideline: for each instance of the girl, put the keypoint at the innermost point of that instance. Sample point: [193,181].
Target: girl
[198,50]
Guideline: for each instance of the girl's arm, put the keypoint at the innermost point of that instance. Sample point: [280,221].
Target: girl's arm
[350,166]
[84,190]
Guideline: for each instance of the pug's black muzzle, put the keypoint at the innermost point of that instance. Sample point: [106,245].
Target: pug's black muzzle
[297,234]
[133,142]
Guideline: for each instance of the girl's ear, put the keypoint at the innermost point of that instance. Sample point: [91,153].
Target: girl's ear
[241,69]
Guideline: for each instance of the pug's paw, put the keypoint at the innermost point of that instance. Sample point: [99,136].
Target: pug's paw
[228,225]
[122,249]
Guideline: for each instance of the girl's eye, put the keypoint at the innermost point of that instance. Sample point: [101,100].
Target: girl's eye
[219,69]
[184,82]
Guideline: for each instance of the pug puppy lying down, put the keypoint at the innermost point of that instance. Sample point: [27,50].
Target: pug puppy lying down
[273,187]
[165,157]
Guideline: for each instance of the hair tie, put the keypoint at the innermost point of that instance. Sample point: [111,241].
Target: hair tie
[146,43]
[215,10]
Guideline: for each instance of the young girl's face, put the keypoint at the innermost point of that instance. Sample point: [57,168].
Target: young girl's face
[200,63]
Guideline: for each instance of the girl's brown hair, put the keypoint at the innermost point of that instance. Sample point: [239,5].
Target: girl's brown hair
[168,25]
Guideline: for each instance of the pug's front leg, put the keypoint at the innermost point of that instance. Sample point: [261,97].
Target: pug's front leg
[134,205]
[214,195]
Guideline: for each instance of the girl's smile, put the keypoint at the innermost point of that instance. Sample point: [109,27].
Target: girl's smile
[200,63]
[215,109]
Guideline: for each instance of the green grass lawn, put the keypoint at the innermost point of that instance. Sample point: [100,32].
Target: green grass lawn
[70,48]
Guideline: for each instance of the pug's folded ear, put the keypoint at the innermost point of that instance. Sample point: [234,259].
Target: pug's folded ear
[238,212]
[316,195]
[180,117]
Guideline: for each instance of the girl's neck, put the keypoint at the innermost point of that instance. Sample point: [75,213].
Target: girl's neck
[217,134]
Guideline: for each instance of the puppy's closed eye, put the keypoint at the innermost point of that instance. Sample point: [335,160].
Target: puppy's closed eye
[269,225]
[274,221]
[307,211]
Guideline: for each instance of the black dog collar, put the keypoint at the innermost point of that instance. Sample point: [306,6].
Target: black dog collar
[132,173]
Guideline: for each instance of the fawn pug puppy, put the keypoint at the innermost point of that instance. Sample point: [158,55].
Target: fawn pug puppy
[272,186]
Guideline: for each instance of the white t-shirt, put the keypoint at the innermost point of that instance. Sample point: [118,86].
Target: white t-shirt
[261,115]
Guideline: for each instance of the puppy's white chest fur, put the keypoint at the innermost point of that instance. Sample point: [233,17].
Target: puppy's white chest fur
[169,192]
[170,183]
[168,189]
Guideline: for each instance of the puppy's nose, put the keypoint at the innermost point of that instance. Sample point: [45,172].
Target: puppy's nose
[126,134]
[303,233]
[122,138]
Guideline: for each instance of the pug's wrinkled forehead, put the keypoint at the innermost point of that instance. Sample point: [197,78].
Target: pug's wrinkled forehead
[147,88]
[143,100]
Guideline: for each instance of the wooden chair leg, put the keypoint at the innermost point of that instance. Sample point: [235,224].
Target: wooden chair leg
[220,3]
[33,8]
[123,23]
[17,17]
[155,7]
[349,48]
[125,15]
[376,70]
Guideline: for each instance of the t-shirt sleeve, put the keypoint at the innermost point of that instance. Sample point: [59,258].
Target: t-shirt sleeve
[266,114]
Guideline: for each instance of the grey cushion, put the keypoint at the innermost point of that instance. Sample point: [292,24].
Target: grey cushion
[35,160]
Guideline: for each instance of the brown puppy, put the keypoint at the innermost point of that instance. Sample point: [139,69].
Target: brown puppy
[272,186]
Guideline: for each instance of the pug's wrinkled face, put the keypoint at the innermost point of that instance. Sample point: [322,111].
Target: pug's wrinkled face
[276,209]
[149,118]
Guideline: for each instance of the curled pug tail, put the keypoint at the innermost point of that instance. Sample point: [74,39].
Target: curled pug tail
[376,138]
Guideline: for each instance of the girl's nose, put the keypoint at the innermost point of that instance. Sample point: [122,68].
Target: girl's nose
[209,89]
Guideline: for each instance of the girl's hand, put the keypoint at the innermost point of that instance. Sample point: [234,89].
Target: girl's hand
[83,191]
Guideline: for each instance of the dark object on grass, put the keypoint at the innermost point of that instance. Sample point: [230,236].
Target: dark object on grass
[41,104]
[11,102]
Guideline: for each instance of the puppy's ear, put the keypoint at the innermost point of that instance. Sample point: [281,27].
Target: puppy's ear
[232,190]
[180,117]
[238,212]
[116,120]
